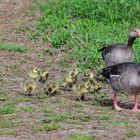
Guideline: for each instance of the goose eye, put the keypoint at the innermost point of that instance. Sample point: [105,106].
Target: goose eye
[134,31]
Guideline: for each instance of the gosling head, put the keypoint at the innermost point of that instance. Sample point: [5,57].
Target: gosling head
[36,70]
[75,70]
[52,88]
[72,75]
[87,73]
[88,84]
[44,74]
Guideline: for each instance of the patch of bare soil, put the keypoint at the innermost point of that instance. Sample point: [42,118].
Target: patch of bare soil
[104,123]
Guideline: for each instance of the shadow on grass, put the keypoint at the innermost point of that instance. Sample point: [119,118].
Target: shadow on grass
[109,102]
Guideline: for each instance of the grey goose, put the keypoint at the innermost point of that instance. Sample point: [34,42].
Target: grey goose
[119,53]
[124,77]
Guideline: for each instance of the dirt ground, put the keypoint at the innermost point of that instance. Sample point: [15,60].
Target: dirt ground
[19,14]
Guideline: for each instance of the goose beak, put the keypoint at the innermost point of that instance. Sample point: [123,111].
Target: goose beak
[138,34]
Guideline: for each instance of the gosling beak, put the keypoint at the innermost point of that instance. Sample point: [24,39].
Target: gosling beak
[52,91]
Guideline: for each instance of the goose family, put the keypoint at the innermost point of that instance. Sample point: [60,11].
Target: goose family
[121,72]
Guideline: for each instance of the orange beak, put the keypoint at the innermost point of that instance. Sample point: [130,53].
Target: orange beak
[138,34]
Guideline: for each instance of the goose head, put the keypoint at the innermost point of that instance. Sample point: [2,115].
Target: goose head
[134,33]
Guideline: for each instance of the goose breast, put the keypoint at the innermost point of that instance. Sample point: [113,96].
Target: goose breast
[124,77]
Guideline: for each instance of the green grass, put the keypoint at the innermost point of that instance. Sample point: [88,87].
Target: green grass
[21,99]
[80,137]
[68,117]
[41,96]
[57,102]
[47,127]
[131,134]
[13,48]
[8,133]
[55,118]
[65,64]
[46,109]
[9,124]
[9,121]
[103,117]
[29,109]
[84,26]
[3,96]
[21,29]
[1,79]
[7,109]
[17,21]
[117,123]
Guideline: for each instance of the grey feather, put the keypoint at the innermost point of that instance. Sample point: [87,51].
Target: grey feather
[124,77]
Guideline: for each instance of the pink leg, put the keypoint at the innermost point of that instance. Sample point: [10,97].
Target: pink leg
[115,102]
[135,109]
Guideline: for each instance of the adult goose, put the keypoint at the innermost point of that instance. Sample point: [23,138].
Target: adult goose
[119,53]
[124,77]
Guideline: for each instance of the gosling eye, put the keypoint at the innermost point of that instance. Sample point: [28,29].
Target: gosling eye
[36,70]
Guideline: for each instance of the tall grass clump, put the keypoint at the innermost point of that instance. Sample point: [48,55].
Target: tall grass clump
[86,25]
